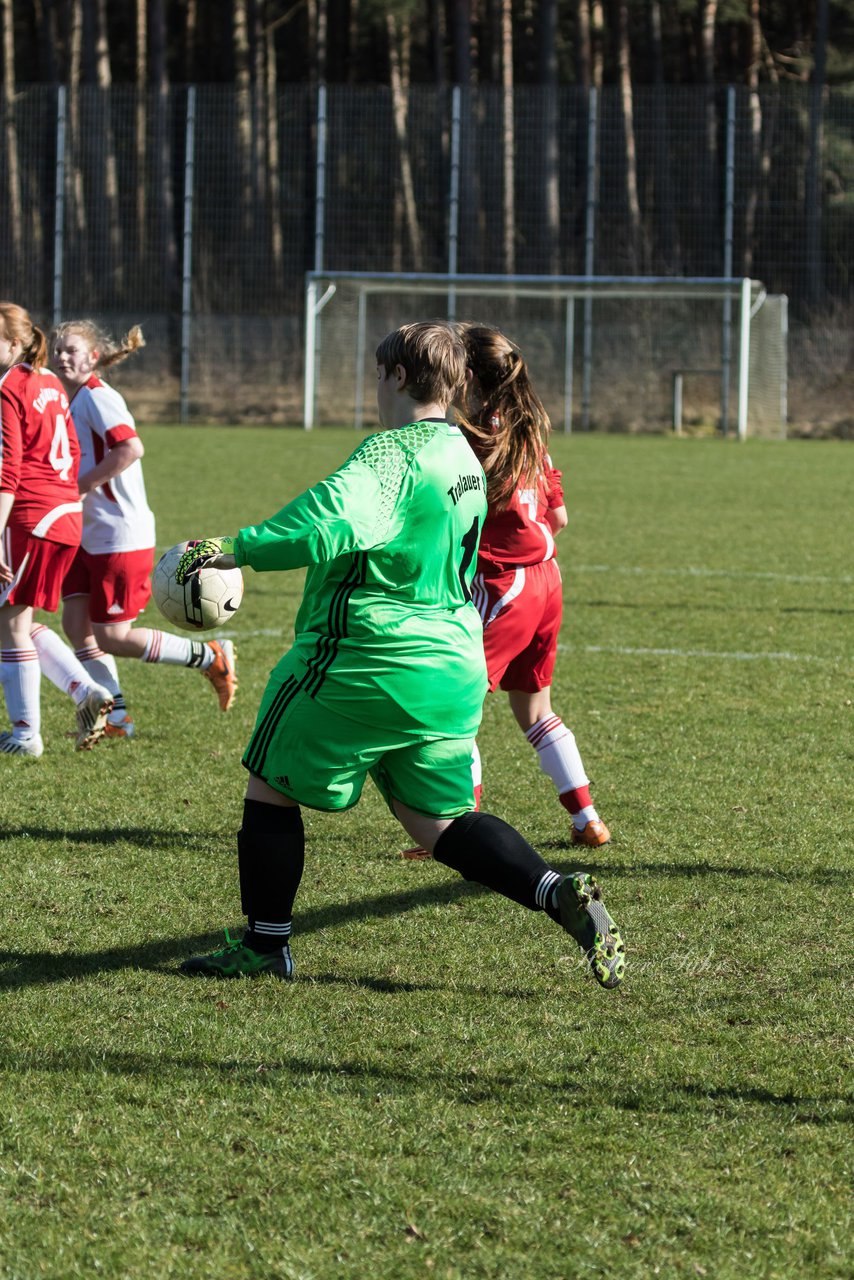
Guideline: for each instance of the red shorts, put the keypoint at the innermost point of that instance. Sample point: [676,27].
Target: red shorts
[42,565]
[521,610]
[117,583]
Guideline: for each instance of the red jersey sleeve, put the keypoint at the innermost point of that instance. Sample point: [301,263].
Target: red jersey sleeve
[11,447]
[554,484]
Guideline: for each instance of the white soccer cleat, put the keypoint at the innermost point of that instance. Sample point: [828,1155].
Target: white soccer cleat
[92,718]
[12,746]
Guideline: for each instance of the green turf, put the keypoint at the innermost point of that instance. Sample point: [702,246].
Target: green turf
[444,1092]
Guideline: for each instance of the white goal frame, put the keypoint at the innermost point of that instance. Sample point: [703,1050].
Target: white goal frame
[747,295]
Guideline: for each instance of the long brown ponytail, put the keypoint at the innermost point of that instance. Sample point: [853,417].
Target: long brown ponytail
[510,430]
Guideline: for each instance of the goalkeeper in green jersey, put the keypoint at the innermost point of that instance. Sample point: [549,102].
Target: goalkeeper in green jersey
[386,675]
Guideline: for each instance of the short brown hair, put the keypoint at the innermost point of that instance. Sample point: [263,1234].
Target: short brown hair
[433,357]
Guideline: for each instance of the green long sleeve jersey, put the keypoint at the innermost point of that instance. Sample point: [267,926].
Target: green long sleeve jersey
[386,629]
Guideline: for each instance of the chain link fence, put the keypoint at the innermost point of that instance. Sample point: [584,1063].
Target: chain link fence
[197,212]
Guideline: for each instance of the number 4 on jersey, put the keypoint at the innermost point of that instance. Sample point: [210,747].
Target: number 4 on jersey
[60,450]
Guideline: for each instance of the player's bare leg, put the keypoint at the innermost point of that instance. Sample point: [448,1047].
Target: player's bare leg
[560,759]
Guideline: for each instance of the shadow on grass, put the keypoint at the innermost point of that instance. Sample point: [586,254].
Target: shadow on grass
[622,870]
[468,1087]
[140,837]
[34,967]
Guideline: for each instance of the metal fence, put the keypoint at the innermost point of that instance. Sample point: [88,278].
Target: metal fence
[197,213]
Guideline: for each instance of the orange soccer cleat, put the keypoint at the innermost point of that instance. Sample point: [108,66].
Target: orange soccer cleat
[222,672]
[123,728]
[593,835]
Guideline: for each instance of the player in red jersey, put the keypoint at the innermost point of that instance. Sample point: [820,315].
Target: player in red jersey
[517,587]
[108,585]
[40,520]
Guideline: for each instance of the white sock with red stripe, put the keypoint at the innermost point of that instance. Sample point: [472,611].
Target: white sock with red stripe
[560,759]
[101,668]
[21,683]
[162,646]
[62,667]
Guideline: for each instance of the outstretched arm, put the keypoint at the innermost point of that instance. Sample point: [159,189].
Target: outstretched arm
[118,459]
[215,553]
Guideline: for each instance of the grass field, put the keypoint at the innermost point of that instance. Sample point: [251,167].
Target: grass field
[444,1092]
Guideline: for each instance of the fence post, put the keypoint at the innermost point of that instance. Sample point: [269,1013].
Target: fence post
[312,322]
[568,358]
[187,265]
[743,359]
[59,204]
[729,204]
[589,252]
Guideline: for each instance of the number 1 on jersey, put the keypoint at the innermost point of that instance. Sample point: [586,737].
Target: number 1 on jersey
[469,546]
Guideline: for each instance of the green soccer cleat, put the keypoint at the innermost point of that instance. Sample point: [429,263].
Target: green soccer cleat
[235,960]
[583,915]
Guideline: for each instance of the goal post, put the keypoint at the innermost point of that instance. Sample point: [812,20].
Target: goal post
[607,364]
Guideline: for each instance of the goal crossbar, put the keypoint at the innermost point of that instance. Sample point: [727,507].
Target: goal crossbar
[321,286]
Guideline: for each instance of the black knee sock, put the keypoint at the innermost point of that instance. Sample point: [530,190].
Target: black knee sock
[270,857]
[485,849]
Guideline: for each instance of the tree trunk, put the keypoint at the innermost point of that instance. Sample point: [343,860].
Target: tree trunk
[550,161]
[45,17]
[812,185]
[274,175]
[508,140]
[636,254]
[259,106]
[583,56]
[709,198]
[669,259]
[597,43]
[322,40]
[111,172]
[13,164]
[140,126]
[462,42]
[191,26]
[78,199]
[243,108]
[437,52]
[399,76]
[756,176]
[162,142]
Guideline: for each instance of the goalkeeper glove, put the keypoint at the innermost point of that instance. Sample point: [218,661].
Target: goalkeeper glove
[200,553]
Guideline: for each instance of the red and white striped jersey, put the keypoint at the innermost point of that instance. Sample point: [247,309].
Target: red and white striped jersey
[520,534]
[116,515]
[39,455]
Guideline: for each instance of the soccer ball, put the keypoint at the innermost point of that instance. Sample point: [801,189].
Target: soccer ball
[208,599]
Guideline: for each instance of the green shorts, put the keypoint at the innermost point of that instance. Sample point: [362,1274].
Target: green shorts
[320,758]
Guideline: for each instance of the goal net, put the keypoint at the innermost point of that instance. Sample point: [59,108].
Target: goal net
[605,353]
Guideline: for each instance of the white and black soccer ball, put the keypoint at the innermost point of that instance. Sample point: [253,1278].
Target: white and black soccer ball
[208,599]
